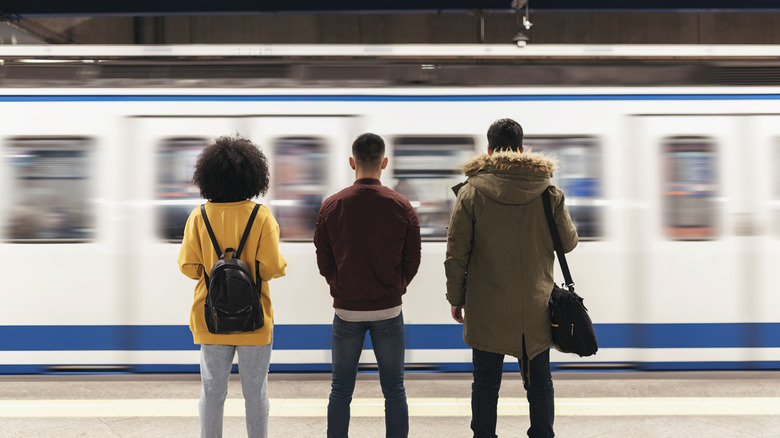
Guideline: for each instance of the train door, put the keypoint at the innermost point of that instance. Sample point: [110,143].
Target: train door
[689,177]
[598,261]
[309,158]
[161,153]
[762,227]
[424,168]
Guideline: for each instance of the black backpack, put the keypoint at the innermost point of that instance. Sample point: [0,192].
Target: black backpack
[232,298]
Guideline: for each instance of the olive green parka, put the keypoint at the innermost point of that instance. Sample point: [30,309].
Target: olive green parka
[500,255]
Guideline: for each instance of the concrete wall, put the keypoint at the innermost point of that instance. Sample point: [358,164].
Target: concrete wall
[564,28]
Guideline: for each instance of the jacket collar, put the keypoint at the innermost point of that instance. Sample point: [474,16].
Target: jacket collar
[367,181]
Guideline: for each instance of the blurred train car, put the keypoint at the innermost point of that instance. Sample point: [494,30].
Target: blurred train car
[672,178]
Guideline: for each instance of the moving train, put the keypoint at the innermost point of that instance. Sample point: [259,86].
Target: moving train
[672,176]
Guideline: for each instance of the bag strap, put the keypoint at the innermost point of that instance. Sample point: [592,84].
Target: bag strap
[547,201]
[211,232]
[214,238]
[246,230]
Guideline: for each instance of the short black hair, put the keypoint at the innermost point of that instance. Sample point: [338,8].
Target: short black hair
[231,169]
[368,151]
[505,134]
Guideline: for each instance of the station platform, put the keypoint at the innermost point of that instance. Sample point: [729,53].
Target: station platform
[588,404]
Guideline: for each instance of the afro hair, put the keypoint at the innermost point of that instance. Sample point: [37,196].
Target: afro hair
[231,169]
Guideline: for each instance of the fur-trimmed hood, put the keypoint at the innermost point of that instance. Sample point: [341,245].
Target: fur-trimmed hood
[505,161]
[510,177]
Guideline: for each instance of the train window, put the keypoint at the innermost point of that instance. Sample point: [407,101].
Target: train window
[580,176]
[425,169]
[52,196]
[689,188]
[299,185]
[175,195]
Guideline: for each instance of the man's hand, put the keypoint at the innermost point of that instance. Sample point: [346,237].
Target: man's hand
[457,313]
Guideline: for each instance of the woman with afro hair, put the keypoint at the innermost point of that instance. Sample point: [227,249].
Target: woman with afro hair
[229,173]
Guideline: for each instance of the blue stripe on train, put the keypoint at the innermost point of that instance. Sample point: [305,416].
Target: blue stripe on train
[418,336]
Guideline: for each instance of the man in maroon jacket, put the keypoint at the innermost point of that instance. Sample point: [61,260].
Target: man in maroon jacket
[368,249]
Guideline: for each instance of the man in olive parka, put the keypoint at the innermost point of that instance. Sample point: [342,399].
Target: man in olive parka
[499,268]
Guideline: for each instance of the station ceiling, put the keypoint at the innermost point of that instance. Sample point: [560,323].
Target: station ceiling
[33,8]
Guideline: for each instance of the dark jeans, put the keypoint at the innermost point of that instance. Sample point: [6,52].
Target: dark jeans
[387,338]
[488,368]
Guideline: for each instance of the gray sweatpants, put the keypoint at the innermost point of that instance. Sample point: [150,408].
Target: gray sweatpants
[215,364]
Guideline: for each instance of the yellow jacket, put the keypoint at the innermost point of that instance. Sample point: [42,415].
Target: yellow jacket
[228,221]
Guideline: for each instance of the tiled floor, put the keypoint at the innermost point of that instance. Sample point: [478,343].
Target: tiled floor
[713,404]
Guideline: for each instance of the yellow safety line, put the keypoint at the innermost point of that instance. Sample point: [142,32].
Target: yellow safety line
[418,407]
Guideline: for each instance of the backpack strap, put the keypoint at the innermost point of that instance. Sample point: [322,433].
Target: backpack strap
[246,231]
[211,232]
[214,238]
[556,238]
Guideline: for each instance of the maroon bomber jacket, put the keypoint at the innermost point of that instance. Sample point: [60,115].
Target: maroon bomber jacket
[368,245]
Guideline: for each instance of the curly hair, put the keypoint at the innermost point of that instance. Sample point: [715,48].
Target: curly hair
[231,169]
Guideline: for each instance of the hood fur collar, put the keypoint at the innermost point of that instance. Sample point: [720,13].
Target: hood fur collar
[505,161]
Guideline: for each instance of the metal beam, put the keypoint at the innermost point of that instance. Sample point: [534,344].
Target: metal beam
[416,51]
[28,8]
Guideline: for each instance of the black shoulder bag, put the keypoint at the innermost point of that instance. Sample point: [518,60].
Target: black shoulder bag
[572,329]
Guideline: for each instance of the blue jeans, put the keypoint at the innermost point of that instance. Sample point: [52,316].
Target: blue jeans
[387,338]
[215,364]
[537,380]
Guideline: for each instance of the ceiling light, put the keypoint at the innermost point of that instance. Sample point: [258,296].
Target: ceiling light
[521,37]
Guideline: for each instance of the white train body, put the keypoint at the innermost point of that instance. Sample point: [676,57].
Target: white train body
[677,269]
